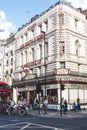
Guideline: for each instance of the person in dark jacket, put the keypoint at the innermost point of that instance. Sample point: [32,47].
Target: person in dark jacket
[65,106]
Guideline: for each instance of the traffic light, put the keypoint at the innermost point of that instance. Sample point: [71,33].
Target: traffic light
[62,86]
[38,86]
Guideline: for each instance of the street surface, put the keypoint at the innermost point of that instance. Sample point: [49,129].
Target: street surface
[51,121]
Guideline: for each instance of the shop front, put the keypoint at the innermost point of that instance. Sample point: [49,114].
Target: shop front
[75,87]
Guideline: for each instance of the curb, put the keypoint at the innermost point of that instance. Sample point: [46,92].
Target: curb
[57,114]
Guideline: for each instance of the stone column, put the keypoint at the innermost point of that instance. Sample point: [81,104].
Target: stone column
[15,94]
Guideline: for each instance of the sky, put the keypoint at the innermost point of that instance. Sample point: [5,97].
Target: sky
[15,13]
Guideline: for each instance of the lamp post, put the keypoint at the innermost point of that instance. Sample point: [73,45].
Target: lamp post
[45,66]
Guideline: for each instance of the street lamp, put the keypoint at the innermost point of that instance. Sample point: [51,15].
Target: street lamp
[45,66]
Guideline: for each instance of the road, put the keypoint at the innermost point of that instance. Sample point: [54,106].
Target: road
[29,122]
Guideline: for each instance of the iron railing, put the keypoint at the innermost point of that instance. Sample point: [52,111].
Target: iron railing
[51,74]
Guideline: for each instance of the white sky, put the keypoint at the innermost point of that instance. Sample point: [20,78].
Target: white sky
[79,3]
[7,27]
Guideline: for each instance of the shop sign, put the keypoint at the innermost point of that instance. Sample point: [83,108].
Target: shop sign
[30,76]
[53,86]
[22,89]
[32,88]
[62,71]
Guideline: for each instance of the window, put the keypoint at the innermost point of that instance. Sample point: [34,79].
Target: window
[32,33]
[46,25]
[39,29]
[11,70]
[11,60]
[31,71]
[40,51]
[62,65]
[46,49]
[52,96]
[7,62]
[63,49]
[33,54]
[21,58]
[11,53]
[76,23]
[51,22]
[6,55]
[25,56]
[77,52]
[7,72]
[39,71]
[61,19]
[77,46]
[21,40]
[26,37]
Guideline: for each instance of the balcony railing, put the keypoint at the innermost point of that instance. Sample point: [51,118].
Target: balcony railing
[50,74]
[39,76]
[75,73]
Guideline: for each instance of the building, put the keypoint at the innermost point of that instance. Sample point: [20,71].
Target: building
[52,48]
[9,62]
[1,58]
[85,13]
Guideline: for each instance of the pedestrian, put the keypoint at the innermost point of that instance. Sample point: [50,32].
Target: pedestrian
[31,103]
[65,106]
[35,103]
[74,106]
[62,105]
[45,104]
[12,103]
[27,103]
[78,106]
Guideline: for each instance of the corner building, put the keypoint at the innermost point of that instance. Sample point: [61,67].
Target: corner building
[53,46]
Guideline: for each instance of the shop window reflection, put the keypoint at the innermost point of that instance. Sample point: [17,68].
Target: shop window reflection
[52,96]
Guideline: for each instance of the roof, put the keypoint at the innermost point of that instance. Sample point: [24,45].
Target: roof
[2,82]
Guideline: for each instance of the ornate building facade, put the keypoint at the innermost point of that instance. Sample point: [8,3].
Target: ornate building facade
[50,48]
[9,62]
[1,58]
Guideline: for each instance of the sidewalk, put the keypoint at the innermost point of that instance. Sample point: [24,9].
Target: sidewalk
[56,114]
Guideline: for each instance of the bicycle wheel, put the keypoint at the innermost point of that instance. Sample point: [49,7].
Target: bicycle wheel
[21,112]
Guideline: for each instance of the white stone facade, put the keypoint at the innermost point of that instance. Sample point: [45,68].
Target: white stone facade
[65,42]
[9,60]
[1,58]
